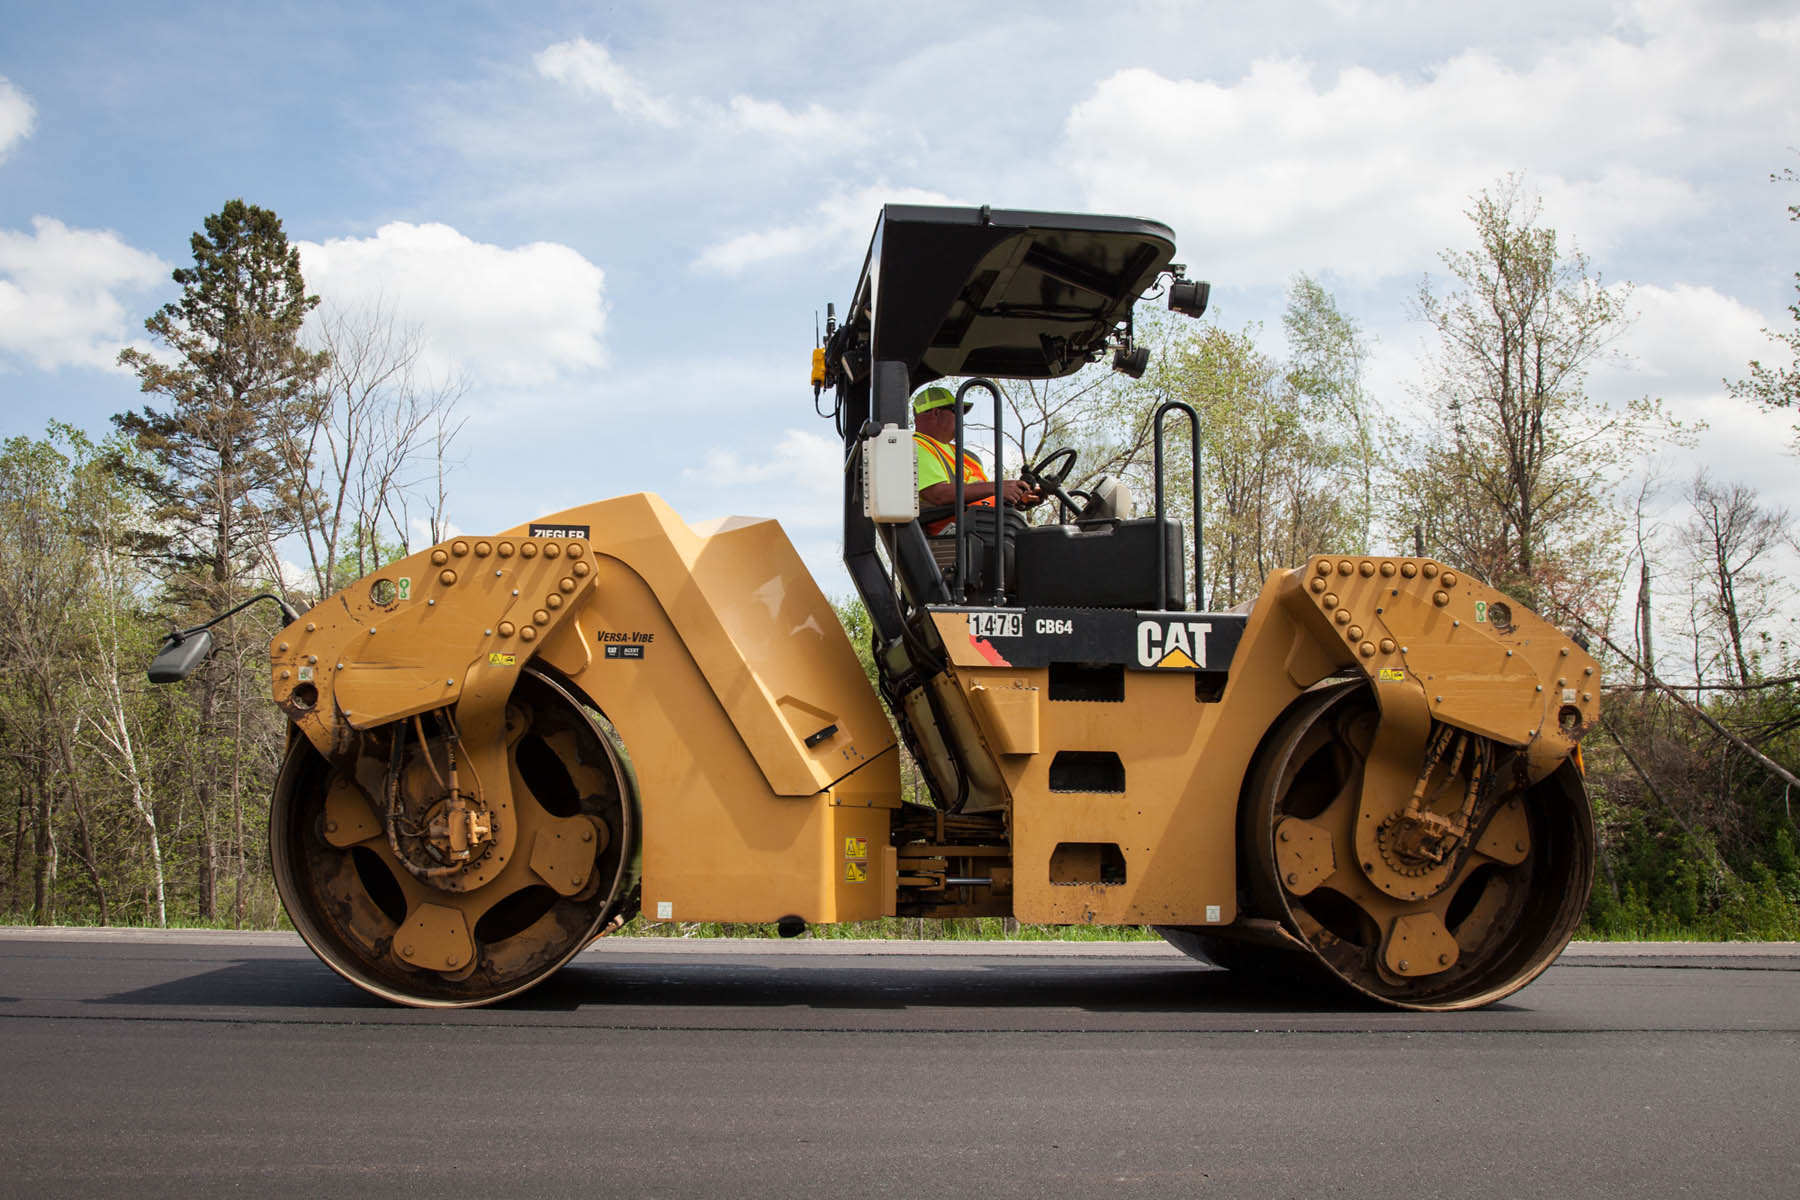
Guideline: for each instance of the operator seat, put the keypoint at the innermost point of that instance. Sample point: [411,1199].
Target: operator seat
[1094,563]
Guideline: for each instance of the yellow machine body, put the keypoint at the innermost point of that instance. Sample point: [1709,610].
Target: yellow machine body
[766,770]
[712,652]
[1168,820]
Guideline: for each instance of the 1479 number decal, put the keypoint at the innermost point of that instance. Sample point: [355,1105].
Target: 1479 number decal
[996,624]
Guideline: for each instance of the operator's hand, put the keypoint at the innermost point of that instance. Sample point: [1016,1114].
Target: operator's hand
[1020,494]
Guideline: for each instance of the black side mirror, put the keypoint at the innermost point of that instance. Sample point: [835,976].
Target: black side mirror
[180,654]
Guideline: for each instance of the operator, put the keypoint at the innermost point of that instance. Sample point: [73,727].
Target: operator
[934,439]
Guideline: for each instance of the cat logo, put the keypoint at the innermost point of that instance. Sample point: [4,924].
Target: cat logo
[1180,645]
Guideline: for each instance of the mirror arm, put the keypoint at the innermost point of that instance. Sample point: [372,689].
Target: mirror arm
[173,663]
[176,636]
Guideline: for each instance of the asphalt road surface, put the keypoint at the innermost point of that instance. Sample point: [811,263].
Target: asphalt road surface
[148,1064]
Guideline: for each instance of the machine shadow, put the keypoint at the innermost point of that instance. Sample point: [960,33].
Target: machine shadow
[1105,987]
[253,983]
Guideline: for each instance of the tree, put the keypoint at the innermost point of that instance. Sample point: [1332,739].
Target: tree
[1102,415]
[377,421]
[1274,469]
[1514,483]
[41,577]
[236,380]
[1286,446]
[111,727]
[63,504]
[1730,538]
[1326,354]
[1779,386]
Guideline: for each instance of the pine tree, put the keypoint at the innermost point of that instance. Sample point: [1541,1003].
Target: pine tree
[235,379]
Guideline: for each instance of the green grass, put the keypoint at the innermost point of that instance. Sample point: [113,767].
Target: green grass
[1759,912]
[1638,926]
[23,920]
[982,929]
[1758,905]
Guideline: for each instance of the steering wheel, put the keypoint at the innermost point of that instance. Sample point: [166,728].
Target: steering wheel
[1049,472]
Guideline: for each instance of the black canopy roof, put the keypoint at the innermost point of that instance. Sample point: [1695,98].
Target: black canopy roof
[979,291]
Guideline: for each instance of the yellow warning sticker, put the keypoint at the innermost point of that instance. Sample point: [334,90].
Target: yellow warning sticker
[1392,675]
[855,847]
[496,659]
[1179,659]
[855,872]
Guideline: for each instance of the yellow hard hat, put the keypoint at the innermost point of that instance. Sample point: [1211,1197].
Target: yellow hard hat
[936,396]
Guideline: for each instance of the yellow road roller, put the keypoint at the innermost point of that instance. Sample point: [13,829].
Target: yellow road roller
[507,745]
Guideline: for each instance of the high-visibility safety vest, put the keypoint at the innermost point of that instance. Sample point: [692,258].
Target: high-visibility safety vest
[972,473]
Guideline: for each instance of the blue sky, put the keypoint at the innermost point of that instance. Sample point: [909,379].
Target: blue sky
[618,221]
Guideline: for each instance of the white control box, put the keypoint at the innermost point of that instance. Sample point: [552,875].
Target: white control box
[890,477]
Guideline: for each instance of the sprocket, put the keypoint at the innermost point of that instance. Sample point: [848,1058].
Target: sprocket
[1412,866]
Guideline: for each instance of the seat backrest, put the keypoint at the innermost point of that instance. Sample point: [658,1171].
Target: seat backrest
[979,552]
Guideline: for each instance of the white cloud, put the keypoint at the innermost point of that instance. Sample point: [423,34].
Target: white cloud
[747,249]
[800,482]
[808,461]
[420,530]
[60,289]
[589,68]
[16,116]
[295,577]
[509,316]
[711,385]
[1368,174]
[815,126]
[838,231]
[1686,341]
